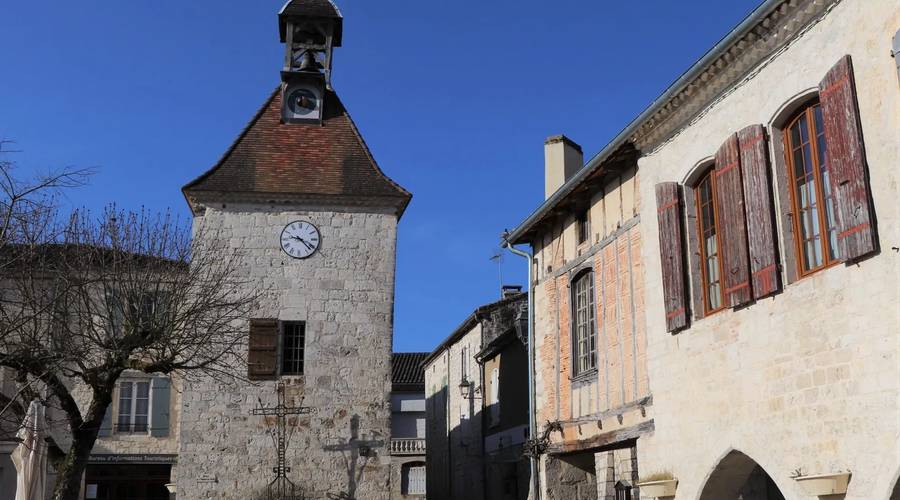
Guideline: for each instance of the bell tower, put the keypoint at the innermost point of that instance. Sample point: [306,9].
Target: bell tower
[310,30]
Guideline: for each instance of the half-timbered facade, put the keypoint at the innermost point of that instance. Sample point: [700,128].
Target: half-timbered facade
[592,391]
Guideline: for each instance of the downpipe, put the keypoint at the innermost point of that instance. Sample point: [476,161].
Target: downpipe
[532,416]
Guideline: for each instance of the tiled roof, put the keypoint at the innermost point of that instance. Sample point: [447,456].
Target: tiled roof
[311,8]
[406,368]
[330,161]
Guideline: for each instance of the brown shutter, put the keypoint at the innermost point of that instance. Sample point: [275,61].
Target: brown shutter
[732,224]
[671,253]
[846,160]
[758,209]
[785,210]
[692,231]
[262,355]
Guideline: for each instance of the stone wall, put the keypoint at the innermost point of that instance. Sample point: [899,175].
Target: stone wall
[807,379]
[344,293]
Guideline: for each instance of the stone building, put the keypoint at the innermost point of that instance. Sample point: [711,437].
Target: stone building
[504,363]
[785,361]
[456,401]
[301,196]
[408,426]
[767,353]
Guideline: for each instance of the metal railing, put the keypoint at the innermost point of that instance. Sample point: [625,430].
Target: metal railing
[403,446]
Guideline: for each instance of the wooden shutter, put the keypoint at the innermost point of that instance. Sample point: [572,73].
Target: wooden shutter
[160,390]
[758,209]
[732,224]
[785,210]
[846,160]
[671,253]
[262,356]
[692,230]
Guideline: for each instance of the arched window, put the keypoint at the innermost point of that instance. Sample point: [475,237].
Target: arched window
[815,226]
[710,242]
[585,334]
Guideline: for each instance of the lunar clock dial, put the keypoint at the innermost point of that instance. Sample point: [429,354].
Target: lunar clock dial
[300,239]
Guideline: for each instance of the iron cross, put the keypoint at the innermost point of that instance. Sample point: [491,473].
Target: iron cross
[281,484]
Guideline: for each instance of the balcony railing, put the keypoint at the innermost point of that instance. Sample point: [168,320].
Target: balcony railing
[403,446]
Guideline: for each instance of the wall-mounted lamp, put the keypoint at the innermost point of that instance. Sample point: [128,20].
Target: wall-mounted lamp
[465,388]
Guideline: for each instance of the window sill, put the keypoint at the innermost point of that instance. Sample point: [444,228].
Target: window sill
[806,274]
[585,375]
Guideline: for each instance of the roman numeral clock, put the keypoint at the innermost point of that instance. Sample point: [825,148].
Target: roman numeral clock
[300,239]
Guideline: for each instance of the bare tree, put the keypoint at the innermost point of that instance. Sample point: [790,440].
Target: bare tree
[117,292]
[28,210]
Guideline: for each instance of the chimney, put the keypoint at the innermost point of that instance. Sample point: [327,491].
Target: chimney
[511,290]
[562,158]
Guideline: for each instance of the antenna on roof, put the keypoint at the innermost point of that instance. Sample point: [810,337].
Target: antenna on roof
[498,258]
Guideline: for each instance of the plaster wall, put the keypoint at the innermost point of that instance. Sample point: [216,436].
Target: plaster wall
[807,379]
[460,467]
[344,292]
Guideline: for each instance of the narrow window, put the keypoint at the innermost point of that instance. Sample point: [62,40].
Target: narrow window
[710,243]
[815,227]
[293,343]
[583,226]
[134,407]
[585,335]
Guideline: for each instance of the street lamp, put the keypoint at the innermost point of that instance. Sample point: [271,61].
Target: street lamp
[465,388]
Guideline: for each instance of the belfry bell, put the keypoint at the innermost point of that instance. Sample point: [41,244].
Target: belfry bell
[310,32]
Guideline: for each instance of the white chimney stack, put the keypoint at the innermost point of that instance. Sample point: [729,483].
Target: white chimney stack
[562,158]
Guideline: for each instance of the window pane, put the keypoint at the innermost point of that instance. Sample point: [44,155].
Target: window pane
[293,350]
[123,422]
[804,130]
[141,406]
[807,160]
[795,136]
[585,341]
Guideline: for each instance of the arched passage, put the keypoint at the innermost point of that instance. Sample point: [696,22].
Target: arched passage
[739,477]
[896,494]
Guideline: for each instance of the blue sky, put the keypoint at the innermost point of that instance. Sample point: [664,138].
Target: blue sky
[454,99]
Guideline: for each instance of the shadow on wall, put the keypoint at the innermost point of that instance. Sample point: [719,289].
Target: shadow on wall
[455,461]
[739,477]
[437,453]
[356,453]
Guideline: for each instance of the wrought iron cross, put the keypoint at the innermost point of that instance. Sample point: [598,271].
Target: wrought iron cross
[281,487]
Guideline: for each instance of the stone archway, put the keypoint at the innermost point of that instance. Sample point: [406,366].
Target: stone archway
[739,477]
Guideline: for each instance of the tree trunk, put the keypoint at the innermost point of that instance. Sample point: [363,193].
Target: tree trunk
[71,470]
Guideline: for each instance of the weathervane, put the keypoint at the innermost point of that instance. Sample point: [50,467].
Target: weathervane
[282,488]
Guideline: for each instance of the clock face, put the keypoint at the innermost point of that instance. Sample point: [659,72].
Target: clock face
[300,239]
[303,101]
